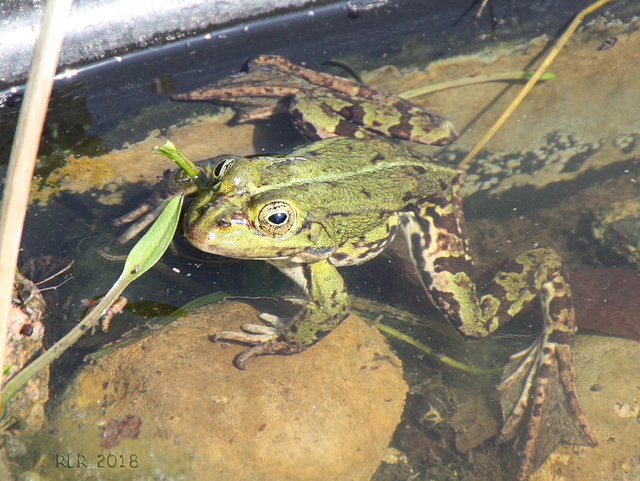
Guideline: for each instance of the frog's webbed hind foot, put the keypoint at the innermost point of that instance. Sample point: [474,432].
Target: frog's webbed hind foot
[264,338]
[539,384]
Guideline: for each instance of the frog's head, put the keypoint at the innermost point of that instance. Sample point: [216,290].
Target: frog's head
[245,226]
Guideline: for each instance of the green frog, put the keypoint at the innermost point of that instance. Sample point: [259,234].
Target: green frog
[322,105]
[339,202]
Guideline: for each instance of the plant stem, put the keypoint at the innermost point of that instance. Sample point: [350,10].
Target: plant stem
[197,175]
[498,77]
[68,340]
[536,76]
[25,150]
[426,349]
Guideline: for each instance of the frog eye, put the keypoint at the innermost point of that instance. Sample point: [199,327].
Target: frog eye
[276,218]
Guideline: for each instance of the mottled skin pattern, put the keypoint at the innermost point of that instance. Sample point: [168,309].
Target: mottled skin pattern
[323,105]
[339,202]
[435,233]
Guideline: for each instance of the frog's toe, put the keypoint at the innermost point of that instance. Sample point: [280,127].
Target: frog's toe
[538,397]
[276,322]
[514,390]
[296,300]
[271,332]
[256,333]
[250,334]
[273,346]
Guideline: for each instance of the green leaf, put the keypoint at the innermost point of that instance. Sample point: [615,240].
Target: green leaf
[150,248]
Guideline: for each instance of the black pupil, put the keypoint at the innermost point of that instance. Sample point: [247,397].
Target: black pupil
[278,218]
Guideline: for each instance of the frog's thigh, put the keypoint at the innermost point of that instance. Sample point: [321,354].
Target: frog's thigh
[319,117]
[535,272]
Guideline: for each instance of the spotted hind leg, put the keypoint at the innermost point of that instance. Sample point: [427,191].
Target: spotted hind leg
[540,384]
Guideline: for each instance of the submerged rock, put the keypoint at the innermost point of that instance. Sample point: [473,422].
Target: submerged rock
[24,413]
[25,331]
[617,230]
[173,406]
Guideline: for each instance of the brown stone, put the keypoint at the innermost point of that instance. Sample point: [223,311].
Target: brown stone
[327,413]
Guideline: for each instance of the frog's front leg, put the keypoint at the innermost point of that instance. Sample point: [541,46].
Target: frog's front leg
[328,306]
[437,239]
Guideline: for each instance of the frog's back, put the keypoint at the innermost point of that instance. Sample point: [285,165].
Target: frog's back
[341,175]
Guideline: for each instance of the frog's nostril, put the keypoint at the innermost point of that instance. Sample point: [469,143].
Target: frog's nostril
[222,223]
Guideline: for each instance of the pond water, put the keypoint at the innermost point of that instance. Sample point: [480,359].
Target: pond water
[562,173]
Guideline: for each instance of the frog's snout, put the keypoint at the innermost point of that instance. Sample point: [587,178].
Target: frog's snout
[223,222]
[227,221]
